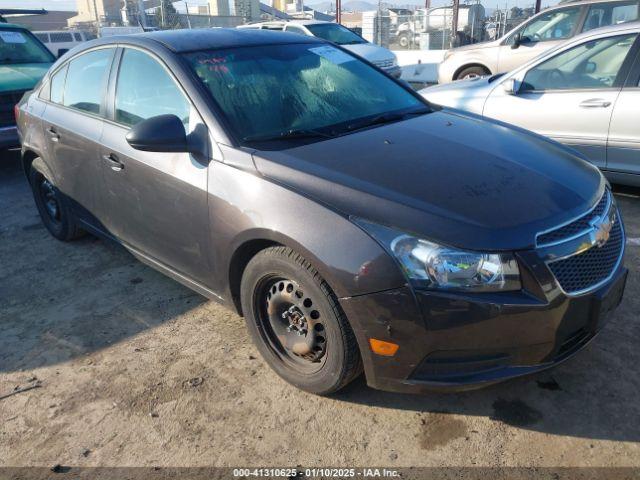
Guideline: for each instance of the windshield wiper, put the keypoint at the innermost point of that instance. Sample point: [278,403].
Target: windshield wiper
[287,135]
[386,118]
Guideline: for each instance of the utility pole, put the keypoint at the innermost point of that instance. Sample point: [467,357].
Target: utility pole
[142,17]
[454,22]
[538,5]
[427,4]
[95,12]
[339,11]
[188,19]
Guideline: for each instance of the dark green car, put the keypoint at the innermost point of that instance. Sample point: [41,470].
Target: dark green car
[23,62]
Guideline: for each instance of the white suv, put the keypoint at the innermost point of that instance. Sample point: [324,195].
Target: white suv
[336,33]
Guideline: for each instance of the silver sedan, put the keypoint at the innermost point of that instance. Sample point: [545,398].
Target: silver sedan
[584,94]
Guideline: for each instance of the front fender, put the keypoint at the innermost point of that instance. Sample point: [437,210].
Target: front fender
[245,207]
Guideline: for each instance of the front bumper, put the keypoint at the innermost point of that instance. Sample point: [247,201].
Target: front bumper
[9,137]
[453,341]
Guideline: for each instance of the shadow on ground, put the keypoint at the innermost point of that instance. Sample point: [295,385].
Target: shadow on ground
[62,300]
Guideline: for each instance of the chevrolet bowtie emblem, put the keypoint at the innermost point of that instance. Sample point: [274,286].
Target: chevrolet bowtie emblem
[601,230]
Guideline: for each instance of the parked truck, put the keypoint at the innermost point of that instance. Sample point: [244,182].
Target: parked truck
[436,23]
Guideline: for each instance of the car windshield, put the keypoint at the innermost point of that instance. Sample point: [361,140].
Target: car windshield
[19,46]
[299,92]
[335,33]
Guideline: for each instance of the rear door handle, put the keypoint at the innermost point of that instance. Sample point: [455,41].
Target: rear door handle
[115,164]
[595,103]
[53,134]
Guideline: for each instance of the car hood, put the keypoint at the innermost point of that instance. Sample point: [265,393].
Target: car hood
[476,46]
[21,76]
[370,52]
[467,94]
[447,176]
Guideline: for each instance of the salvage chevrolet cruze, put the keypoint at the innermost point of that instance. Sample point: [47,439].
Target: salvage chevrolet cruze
[352,224]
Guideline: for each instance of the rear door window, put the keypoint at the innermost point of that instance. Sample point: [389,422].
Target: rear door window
[605,14]
[57,85]
[86,79]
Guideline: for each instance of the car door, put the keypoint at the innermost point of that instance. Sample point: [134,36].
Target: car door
[539,34]
[570,96]
[623,145]
[73,122]
[154,202]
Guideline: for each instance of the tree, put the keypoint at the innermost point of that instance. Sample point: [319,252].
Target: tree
[167,16]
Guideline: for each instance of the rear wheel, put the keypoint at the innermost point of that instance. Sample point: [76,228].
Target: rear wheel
[53,208]
[472,72]
[297,324]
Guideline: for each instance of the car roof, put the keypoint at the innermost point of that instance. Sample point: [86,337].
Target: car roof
[611,29]
[283,22]
[186,40]
[568,3]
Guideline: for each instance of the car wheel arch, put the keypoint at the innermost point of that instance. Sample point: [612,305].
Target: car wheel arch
[254,241]
[470,65]
[31,159]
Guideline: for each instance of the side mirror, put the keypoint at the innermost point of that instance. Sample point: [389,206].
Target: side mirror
[511,86]
[164,133]
[62,51]
[517,40]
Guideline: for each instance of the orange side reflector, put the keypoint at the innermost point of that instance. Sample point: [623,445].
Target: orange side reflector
[381,347]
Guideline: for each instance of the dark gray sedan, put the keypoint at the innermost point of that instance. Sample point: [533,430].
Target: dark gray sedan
[352,224]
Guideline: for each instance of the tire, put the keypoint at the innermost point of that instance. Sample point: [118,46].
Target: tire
[53,208]
[403,41]
[471,72]
[317,351]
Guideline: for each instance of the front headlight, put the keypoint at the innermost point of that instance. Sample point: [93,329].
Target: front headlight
[430,265]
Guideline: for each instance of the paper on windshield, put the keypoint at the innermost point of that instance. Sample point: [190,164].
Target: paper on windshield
[332,54]
[12,37]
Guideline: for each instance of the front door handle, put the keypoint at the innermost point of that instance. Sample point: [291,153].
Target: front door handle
[53,134]
[595,103]
[115,164]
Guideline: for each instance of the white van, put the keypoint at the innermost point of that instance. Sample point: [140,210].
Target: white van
[60,41]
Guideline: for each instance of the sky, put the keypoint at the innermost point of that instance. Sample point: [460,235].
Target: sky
[71,4]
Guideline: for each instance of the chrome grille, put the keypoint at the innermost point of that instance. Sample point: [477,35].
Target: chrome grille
[588,269]
[7,102]
[577,226]
[384,63]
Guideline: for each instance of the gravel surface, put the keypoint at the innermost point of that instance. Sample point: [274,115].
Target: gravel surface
[107,362]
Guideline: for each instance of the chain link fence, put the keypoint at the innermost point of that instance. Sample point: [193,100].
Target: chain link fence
[431,29]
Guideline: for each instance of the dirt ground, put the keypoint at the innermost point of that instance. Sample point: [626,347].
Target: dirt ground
[133,369]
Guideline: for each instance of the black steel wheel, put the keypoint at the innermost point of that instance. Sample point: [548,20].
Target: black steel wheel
[292,324]
[52,206]
[297,323]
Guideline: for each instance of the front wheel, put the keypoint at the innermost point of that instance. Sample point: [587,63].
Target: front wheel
[297,324]
[472,72]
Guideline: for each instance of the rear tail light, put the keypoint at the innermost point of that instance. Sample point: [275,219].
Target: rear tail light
[16,112]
